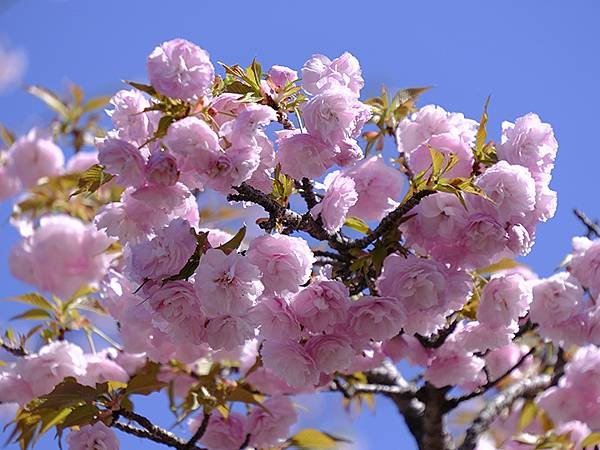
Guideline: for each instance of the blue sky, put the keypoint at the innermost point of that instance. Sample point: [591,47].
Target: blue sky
[536,55]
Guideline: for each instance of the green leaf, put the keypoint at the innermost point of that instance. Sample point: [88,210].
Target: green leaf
[313,439]
[6,136]
[243,395]
[146,380]
[527,415]
[34,299]
[234,243]
[50,99]
[482,130]
[378,255]
[80,415]
[437,161]
[357,224]
[142,87]
[192,264]
[66,394]
[91,180]
[591,440]
[95,103]
[503,264]
[33,314]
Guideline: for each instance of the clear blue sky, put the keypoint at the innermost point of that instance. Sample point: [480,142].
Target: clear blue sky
[536,55]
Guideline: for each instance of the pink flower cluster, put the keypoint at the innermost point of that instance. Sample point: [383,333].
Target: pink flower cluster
[37,374]
[268,426]
[577,396]
[517,196]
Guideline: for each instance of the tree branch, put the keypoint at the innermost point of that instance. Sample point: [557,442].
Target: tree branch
[286,216]
[150,431]
[16,351]
[454,402]
[390,222]
[592,227]
[526,387]
[406,401]
[435,436]
[199,432]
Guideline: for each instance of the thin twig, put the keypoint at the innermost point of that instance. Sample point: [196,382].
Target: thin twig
[199,432]
[17,351]
[454,402]
[593,228]
[389,222]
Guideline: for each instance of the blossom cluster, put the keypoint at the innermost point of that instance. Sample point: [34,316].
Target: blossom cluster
[276,302]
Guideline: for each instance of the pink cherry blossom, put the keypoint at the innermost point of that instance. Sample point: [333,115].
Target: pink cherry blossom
[176,310]
[335,115]
[279,76]
[34,156]
[285,262]
[530,143]
[432,120]
[339,197]
[377,318]
[511,193]
[330,352]
[270,426]
[180,69]
[227,284]
[585,264]
[122,159]
[290,361]
[161,169]
[81,161]
[378,187]
[320,74]
[419,159]
[132,123]
[303,155]
[555,299]
[427,290]
[451,365]
[100,368]
[228,331]
[166,253]
[222,433]
[322,305]
[61,256]
[53,363]
[90,437]
[503,301]
[276,318]
[9,183]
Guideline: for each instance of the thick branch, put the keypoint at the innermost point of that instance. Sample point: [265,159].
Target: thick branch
[405,400]
[391,221]
[435,436]
[286,216]
[526,387]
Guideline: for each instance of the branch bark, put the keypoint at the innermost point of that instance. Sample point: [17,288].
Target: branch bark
[405,400]
[389,222]
[16,351]
[526,387]
[150,431]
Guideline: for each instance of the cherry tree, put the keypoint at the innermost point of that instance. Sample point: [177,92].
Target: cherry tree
[388,236]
